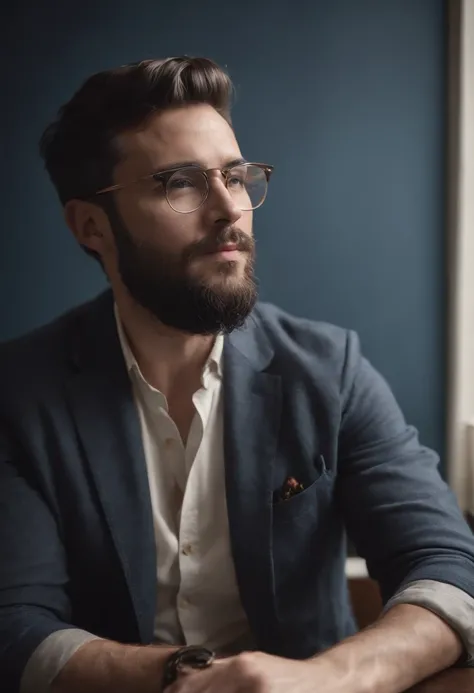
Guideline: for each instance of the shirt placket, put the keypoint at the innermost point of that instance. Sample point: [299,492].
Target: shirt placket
[190,614]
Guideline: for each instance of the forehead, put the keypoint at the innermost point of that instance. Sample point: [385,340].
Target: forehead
[191,133]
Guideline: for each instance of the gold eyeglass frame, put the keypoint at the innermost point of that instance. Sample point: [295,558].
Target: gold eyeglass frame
[164,177]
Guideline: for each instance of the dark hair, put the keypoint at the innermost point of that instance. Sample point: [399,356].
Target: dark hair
[79,148]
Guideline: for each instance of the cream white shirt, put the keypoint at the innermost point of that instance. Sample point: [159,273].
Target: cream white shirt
[197,594]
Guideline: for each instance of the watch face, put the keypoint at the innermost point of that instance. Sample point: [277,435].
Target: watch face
[196,658]
[186,657]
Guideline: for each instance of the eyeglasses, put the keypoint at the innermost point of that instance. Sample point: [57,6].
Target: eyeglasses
[187,187]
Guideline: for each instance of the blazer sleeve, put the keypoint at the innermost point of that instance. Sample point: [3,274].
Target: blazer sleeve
[400,514]
[33,573]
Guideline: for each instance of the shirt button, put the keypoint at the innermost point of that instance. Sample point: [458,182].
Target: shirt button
[187,550]
[169,443]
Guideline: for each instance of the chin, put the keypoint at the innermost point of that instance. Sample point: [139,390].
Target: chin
[231,274]
[229,270]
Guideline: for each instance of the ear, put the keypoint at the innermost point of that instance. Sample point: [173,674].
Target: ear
[89,224]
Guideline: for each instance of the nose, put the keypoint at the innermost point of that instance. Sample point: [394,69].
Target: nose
[220,203]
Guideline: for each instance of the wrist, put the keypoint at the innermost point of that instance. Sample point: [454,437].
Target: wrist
[345,670]
[143,668]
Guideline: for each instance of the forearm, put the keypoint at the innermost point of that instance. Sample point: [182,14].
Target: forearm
[103,666]
[406,645]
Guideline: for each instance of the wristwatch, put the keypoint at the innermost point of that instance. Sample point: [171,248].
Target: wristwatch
[192,657]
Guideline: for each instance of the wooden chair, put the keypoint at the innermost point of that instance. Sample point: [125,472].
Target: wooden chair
[365,593]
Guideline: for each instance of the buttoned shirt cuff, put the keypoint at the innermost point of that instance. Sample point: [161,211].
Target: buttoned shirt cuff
[50,657]
[450,603]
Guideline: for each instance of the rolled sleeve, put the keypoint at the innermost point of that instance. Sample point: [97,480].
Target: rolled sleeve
[50,657]
[450,603]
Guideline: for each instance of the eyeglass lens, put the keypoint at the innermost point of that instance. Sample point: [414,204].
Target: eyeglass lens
[187,189]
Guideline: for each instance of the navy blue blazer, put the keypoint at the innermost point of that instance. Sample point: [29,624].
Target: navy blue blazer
[76,533]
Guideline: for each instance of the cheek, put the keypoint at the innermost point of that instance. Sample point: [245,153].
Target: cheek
[153,222]
[245,223]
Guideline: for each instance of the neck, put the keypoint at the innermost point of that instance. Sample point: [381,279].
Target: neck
[168,359]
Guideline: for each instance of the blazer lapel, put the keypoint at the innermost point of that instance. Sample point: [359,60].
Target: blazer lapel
[252,408]
[109,429]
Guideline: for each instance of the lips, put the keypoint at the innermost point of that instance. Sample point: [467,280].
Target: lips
[227,248]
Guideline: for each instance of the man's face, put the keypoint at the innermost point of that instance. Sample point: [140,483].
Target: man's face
[193,271]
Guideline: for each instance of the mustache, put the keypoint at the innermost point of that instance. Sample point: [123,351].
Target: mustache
[232,234]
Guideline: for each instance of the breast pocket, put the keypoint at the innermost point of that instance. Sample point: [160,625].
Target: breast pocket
[301,535]
[301,501]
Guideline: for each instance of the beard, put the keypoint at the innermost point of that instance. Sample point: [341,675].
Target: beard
[162,283]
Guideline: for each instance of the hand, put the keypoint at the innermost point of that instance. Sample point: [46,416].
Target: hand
[250,672]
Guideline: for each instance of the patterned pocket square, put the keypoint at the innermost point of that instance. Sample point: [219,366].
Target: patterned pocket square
[290,488]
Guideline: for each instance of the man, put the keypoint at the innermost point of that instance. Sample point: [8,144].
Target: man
[178,463]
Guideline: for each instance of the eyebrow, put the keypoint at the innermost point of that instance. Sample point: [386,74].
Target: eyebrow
[197,164]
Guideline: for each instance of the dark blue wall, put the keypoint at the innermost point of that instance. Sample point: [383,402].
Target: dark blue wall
[345,97]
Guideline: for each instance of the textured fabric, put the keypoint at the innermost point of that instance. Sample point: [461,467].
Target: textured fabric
[77,542]
[50,657]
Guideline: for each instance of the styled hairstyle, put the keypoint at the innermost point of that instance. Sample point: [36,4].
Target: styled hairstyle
[79,148]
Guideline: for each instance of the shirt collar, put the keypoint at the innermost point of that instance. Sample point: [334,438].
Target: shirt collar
[212,365]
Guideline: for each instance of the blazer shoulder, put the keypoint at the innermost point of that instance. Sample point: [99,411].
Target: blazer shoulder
[42,352]
[309,351]
[303,335]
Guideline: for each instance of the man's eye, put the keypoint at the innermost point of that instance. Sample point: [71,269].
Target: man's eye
[180,183]
[235,182]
